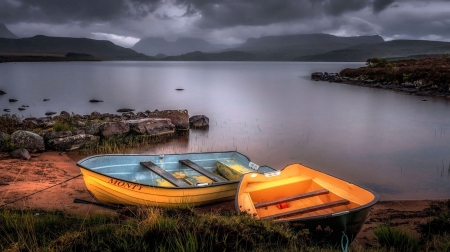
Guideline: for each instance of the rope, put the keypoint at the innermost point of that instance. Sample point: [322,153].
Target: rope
[344,247]
[41,190]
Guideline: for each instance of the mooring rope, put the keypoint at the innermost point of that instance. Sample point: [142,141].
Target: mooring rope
[26,196]
[344,247]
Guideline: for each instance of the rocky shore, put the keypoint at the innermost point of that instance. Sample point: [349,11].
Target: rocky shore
[422,77]
[71,131]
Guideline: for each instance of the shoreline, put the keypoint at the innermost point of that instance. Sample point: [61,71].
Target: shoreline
[23,177]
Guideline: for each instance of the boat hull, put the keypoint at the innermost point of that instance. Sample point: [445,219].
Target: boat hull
[109,190]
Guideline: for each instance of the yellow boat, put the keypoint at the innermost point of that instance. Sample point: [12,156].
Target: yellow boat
[306,199]
[166,180]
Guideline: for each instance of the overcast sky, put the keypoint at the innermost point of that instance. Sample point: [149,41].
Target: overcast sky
[225,21]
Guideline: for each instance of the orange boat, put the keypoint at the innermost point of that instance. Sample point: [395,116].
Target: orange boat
[306,199]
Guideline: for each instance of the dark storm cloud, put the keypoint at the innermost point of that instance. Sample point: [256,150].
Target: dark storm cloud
[57,11]
[226,13]
[380,5]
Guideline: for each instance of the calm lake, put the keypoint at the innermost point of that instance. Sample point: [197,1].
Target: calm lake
[392,143]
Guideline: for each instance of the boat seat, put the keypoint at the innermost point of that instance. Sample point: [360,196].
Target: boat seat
[164,174]
[202,170]
[291,198]
[308,209]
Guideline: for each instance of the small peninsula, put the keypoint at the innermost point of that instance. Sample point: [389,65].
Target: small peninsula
[422,77]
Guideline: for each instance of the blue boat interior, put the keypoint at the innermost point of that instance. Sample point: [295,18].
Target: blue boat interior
[129,167]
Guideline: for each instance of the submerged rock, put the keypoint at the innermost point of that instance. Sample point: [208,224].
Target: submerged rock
[122,110]
[199,121]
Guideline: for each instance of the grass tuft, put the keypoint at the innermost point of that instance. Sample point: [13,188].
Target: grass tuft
[396,239]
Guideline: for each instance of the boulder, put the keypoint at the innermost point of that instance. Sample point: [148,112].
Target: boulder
[95,101]
[92,128]
[27,140]
[2,92]
[71,142]
[179,118]
[95,115]
[152,126]
[20,153]
[199,121]
[60,134]
[65,114]
[12,100]
[108,129]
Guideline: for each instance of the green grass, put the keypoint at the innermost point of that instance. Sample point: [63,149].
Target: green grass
[396,239]
[121,144]
[146,229]
[10,123]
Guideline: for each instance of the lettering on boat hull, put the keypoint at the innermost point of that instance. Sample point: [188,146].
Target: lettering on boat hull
[125,184]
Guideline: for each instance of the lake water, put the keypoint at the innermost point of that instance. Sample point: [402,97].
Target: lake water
[392,143]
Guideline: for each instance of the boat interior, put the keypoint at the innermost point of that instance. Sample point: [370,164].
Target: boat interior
[298,192]
[173,170]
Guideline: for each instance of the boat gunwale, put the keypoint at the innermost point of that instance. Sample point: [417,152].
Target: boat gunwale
[325,216]
[213,184]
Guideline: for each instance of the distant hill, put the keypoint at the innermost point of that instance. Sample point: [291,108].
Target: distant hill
[389,49]
[154,46]
[43,45]
[289,47]
[222,56]
[5,33]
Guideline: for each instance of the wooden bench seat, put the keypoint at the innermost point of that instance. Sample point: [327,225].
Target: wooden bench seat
[308,209]
[202,170]
[164,174]
[291,198]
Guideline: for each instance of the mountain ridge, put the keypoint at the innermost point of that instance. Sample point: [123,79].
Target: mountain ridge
[152,46]
[40,44]
[6,33]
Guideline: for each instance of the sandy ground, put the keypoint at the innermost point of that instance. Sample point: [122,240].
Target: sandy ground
[19,178]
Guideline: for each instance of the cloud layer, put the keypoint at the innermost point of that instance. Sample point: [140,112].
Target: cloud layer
[226,21]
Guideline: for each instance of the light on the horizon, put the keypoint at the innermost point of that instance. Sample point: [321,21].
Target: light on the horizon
[116,39]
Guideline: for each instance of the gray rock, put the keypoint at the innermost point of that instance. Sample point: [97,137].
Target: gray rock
[152,126]
[199,121]
[95,115]
[64,114]
[179,118]
[78,132]
[27,140]
[81,124]
[92,128]
[20,153]
[60,134]
[108,129]
[71,142]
